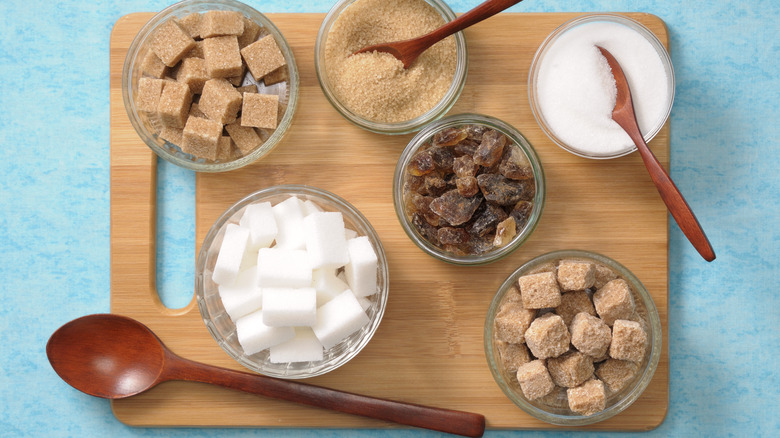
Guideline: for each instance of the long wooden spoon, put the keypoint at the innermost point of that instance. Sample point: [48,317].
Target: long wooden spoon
[113,356]
[407,51]
[623,114]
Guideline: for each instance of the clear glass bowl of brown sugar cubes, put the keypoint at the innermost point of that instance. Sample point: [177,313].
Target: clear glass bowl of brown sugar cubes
[469,189]
[572,337]
[210,85]
[373,90]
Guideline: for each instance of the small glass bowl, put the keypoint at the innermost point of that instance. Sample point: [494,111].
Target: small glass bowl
[131,73]
[420,140]
[616,403]
[405,127]
[223,329]
[544,48]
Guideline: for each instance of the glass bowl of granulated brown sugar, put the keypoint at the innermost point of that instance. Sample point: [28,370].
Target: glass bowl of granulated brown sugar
[373,90]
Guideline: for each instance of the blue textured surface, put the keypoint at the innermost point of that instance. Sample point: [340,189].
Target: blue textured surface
[54,222]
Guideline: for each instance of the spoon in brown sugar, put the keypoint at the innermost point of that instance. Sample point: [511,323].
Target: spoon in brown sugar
[407,51]
[113,356]
[624,115]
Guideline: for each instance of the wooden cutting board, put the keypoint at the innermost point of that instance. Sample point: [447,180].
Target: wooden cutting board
[429,346]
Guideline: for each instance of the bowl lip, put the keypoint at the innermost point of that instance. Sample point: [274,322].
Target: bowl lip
[128,84]
[460,119]
[640,383]
[397,128]
[635,25]
[343,206]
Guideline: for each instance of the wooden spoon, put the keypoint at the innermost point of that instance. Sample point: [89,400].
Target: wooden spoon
[113,356]
[623,114]
[407,51]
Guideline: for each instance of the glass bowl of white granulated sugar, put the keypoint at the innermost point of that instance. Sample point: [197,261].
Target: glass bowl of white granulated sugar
[572,90]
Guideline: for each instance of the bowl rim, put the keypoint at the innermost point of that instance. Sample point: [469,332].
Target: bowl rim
[641,382]
[290,190]
[129,80]
[551,38]
[462,119]
[396,128]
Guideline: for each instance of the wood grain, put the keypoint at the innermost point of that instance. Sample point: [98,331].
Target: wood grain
[429,347]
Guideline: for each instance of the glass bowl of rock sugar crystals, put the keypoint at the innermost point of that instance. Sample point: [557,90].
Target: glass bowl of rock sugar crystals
[572,91]
[572,337]
[292,281]
[210,85]
[373,90]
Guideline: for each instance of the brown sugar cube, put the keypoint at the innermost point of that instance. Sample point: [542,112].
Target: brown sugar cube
[174,106]
[251,88]
[224,148]
[629,341]
[570,369]
[149,92]
[191,24]
[170,42]
[547,336]
[535,381]
[513,296]
[588,398]
[201,138]
[260,110]
[222,57]
[616,373]
[238,79]
[539,290]
[276,76]
[513,355]
[219,23]
[245,137]
[576,275]
[512,321]
[197,51]
[193,73]
[196,112]
[220,101]
[171,135]
[603,275]
[153,66]
[614,301]
[250,34]
[573,303]
[590,335]
[263,56]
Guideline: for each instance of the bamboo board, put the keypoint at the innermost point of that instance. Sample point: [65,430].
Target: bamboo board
[429,346]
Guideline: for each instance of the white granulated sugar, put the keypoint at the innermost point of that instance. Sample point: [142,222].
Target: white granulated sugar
[576,90]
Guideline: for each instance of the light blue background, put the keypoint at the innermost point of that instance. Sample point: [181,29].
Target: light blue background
[54,217]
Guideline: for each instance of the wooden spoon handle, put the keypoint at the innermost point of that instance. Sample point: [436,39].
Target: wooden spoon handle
[481,12]
[442,420]
[674,200]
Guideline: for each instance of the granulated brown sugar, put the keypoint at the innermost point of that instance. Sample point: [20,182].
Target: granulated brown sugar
[375,86]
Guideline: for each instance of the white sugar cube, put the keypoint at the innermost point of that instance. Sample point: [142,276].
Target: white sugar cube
[304,347]
[365,303]
[327,285]
[243,296]
[325,239]
[289,218]
[310,207]
[231,252]
[339,318]
[283,268]
[350,234]
[289,307]
[255,336]
[259,219]
[362,266]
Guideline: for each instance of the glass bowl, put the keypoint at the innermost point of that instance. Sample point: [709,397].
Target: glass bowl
[651,93]
[401,191]
[132,72]
[615,402]
[223,329]
[402,127]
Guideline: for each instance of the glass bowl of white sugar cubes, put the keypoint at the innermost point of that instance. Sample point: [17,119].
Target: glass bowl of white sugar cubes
[292,281]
